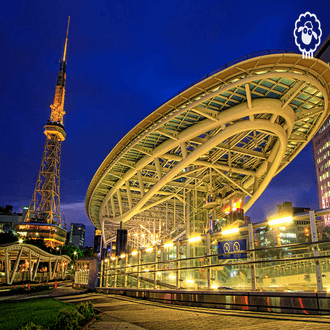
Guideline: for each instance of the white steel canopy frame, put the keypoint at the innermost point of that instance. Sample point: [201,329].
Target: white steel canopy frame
[231,133]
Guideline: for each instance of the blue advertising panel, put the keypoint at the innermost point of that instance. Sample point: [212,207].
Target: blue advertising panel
[232,246]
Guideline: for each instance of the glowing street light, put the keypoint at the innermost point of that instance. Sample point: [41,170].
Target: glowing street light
[230,231]
[134,253]
[275,222]
[194,239]
[168,245]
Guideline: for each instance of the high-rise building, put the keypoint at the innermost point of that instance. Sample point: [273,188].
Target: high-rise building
[77,235]
[321,147]
[43,218]
[8,218]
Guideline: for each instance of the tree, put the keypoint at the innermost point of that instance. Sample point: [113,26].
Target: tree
[88,252]
[326,234]
[9,237]
[70,250]
[40,243]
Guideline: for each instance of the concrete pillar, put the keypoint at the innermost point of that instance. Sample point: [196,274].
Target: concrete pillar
[30,266]
[125,278]
[156,266]
[252,257]
[316,252]
[187,206]
[116,272]
[94,268]
[178,266]
[208,252]
[102,273]
[139,269]
[49,270]
[7,266]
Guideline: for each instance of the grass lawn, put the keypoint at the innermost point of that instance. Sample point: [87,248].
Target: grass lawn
[14,315]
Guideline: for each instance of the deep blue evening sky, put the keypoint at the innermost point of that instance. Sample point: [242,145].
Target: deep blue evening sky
[125,58]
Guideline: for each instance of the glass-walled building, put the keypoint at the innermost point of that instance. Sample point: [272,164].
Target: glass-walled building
[321,147]
[77,235]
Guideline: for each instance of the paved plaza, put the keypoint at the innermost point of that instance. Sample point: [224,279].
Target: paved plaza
[128,313]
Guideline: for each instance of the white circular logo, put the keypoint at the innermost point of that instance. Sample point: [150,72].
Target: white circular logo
[307,34]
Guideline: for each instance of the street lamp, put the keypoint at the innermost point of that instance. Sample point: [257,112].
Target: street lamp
[74,260]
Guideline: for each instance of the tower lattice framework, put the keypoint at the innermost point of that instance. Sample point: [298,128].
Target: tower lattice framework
[45,203]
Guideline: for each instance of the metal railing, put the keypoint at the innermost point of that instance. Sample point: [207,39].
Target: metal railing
[303,265]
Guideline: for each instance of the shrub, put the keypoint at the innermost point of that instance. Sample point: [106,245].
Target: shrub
[87,310]
[68,320]
[32,326]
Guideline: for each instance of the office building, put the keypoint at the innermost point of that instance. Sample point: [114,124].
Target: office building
[8,218]
[321,147]
[77,235]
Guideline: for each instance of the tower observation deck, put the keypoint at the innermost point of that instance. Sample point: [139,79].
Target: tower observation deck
[43,219]
[206,155]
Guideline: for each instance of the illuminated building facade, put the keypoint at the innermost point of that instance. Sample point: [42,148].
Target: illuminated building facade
[77,235]
[43,218]
[321,147]
[297,232]
[204,157]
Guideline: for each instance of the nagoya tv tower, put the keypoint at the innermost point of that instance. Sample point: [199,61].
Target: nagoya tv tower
[43,219]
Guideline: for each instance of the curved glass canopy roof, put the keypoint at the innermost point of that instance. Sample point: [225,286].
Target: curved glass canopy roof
[218,142]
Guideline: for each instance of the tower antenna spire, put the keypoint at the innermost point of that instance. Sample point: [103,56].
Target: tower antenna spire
[44,216]
[66,40]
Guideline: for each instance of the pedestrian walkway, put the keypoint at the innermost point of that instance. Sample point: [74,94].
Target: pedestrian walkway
[133,314]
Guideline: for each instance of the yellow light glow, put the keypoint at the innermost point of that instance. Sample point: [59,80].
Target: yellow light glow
[214,287]
[280,221]
[172,276]
[122,256]
[168,245]
[230,231]
[194,239]
[113,258]
[159,273]
[134,253]
[149,249]
[190,281]
[20,241]
[106,260]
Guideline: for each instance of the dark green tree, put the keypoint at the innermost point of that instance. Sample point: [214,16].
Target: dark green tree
[40,243]
[87,252]
[70,250]
[326,234]
[9,237]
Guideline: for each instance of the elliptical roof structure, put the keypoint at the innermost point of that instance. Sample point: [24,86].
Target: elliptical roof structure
[241,125]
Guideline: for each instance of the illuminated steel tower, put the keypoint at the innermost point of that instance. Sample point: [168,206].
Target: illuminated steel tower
[43,219]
